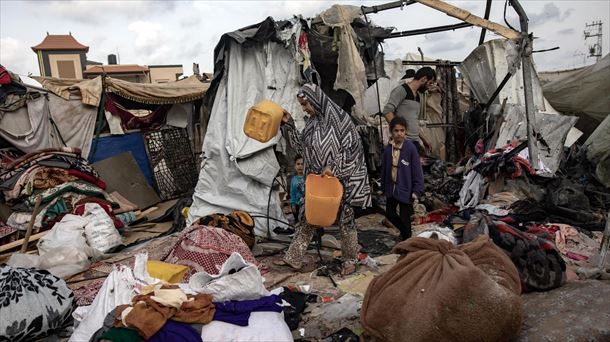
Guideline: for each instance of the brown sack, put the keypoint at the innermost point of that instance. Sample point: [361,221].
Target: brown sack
[440,292]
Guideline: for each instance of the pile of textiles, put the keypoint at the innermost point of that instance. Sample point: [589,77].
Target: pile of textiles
[239,223]
[204,249]
[495,164]
[231,306]
[442,186]
[64,181]
[7,233]
[576,245]
[538,261]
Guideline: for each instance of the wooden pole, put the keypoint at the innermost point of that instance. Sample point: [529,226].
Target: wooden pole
[28,233]
[468,17]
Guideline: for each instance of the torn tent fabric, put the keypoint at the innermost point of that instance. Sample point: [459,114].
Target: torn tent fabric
[149,117]
[237,172]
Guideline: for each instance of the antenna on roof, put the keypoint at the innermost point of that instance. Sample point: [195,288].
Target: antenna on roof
[70,32]
[118,55]
[47,33]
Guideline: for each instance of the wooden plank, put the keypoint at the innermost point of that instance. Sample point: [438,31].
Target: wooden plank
[18,243]
[470,18]
[28,233]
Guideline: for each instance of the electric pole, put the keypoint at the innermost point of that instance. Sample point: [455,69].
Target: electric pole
[591,31]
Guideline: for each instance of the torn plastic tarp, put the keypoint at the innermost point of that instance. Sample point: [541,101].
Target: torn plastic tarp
[238,172]
[598,151]
[552,129]
[580,91]
[485,68]
[351,72]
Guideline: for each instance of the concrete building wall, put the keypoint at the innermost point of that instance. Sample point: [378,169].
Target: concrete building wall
[54,59]
[164,74]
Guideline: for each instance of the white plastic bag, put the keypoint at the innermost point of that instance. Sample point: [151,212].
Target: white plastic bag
[65,261]
[237,280]
[24,260]
[100,231]
[70,231]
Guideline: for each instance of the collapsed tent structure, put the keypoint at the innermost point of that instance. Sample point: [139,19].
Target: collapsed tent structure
[96,122]
[511,198]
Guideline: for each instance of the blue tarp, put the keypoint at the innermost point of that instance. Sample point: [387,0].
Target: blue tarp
[113,145]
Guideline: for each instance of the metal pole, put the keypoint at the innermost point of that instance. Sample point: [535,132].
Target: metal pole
[428,30]
[526,60]
[389,5]
[484,30]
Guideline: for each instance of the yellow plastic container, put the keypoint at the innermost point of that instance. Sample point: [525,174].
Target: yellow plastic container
[169,272]
[263,121]
[322,200]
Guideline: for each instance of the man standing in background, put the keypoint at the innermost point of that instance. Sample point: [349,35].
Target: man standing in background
[404,102]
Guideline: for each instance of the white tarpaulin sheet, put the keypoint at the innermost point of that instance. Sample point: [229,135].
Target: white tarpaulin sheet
[237,172]
[585,90]
[484,69]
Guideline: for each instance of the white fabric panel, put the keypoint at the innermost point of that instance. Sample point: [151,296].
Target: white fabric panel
[75,120]
[29,128]
[262,326]
[254,74]
[179,113]
[238,171]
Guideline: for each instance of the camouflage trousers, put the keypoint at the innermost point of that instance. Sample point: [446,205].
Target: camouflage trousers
[304,233]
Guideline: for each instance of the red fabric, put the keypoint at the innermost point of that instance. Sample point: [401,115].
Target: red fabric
[204,248]
[5,78]
[88,178]
[435,216]
[118,107]
[79,209]
[303,41]
[520,164]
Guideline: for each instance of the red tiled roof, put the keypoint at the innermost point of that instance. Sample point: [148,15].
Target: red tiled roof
[60,42]
[116,69]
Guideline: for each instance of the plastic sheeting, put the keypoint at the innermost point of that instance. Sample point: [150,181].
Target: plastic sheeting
[29,128]
[237,172]
[584,90]
[75,121]
[488,64]
[598,151]
[351,72]
[485,68]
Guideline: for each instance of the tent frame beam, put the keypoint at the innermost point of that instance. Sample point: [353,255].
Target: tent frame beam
[429,30]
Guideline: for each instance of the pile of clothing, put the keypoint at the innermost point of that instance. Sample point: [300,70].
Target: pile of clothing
[199,248]
[498,163]
[540,264]
[64,181]
[229,306]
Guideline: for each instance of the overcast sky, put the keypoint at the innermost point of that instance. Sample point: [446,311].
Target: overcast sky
[183,32]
